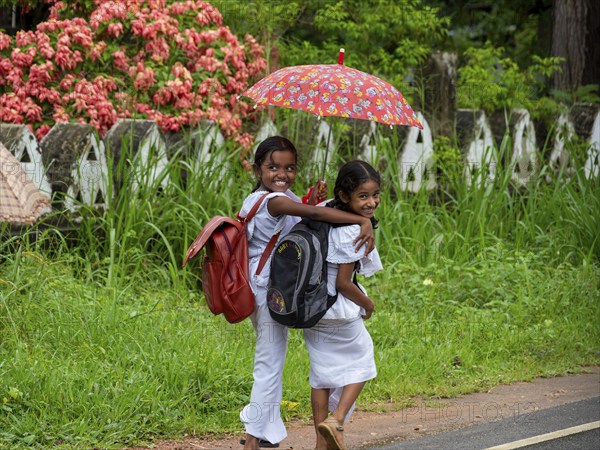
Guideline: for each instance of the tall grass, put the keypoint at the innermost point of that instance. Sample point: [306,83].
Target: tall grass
[106,342]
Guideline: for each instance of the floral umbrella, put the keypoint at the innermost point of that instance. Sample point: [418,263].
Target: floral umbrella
[334,90]
[20,199]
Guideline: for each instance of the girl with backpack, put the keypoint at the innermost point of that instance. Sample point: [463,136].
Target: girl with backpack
[339,345]
[275,163]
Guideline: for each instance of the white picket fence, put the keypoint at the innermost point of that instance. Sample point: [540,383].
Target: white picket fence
[72,158]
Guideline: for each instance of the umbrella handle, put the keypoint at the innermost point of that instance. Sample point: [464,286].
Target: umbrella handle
[326,152]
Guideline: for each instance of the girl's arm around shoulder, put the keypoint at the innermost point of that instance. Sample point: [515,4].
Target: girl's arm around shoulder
[344,285]
[284,205]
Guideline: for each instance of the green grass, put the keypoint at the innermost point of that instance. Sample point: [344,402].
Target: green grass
[89,366]
[105,342]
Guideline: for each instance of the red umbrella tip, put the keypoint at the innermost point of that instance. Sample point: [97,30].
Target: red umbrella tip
[341,56]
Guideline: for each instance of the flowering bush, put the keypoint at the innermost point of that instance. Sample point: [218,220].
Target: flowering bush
[169,61]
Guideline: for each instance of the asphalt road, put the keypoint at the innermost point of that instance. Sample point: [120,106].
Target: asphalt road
[519,428]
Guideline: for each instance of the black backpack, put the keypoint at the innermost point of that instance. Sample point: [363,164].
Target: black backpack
[297,293]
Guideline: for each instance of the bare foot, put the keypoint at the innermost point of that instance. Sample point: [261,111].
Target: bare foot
[321,443]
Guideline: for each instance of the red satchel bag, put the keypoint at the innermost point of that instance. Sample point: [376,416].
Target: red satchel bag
[225,272]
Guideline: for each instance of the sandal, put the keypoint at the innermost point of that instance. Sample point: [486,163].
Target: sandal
[332,431]
[262,443]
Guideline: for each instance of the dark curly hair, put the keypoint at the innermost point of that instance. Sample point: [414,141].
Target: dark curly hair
[350,177]
[268,146]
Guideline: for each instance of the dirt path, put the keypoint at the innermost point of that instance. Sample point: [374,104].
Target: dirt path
[430,417]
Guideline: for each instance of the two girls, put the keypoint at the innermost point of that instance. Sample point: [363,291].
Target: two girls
[275,167]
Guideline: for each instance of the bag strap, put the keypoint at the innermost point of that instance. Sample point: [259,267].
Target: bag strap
[267,252]
[202,238]
[253,210]
[272,241]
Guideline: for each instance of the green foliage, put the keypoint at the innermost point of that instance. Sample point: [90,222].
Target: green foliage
[583,94]
[522,27]
[385,38]
[270,18]
[490,81]
[448,162]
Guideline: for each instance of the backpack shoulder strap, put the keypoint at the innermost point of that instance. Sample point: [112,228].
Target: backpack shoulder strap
[205,234]
[267,252]
[253,211]
[272,241]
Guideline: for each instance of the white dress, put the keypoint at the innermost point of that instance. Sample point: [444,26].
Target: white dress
[339,346]
[262,417]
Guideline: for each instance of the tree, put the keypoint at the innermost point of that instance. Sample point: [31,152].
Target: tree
[521,27]
[575,37]
[387,38]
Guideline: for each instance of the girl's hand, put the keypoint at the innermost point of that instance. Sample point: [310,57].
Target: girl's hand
[369,308]
[317,193]
[366,236]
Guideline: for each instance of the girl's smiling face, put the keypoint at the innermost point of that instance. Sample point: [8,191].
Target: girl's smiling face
[277,171]
[364,199]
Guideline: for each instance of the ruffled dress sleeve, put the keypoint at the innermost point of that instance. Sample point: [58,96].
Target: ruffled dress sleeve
[342,249]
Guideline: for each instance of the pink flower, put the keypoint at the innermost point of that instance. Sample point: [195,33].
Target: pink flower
[130,57]
[4,41]
[56,9]
[144,77]
[24,38]
[60,115]
[15,77]
[162,96]
[107,11]
[49,95]
[245,140]
[10,106]
[181,72]
[208,14]
[96,52]
[6,67]
[41,132]
[32,111]
[120,60]
[115,29]
[23,59]
[39,74]
[105,84]
[180,8]
[158,48]
[144,108]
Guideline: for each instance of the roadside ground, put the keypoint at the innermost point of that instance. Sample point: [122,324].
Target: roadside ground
[428,417]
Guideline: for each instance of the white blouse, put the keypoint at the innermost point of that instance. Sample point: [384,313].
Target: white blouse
[342,250]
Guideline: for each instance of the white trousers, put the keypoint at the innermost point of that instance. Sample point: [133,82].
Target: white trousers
[262,416]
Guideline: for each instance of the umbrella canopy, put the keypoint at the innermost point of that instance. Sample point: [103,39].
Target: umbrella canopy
[334,90]
[21,201]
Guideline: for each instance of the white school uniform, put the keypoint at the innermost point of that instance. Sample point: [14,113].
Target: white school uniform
[339,345]
[262,417]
